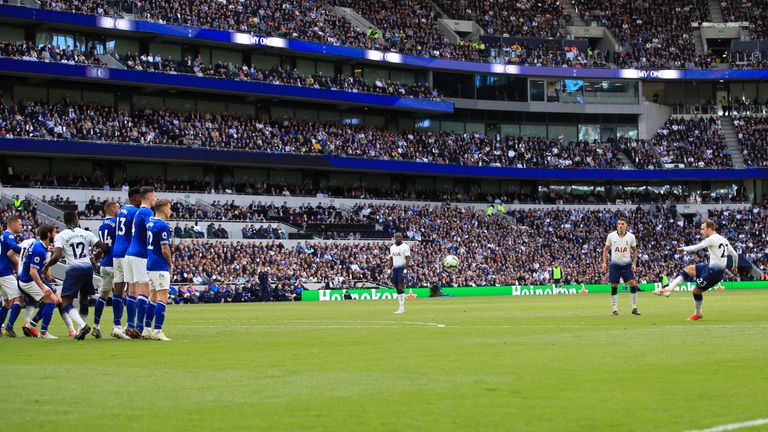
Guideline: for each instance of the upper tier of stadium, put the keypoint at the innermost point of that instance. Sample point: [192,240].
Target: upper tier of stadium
[651,34]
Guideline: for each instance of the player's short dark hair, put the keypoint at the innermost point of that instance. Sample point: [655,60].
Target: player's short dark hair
[12,219]
[109,204]
[622,218]
[70,217]
[134,191]
[146,190]
[160,204]
[44,231]
[709,223]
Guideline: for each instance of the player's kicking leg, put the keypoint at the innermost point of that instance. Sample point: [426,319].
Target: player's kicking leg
[688,273]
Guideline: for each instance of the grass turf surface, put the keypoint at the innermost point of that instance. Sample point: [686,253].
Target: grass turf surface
[500,363]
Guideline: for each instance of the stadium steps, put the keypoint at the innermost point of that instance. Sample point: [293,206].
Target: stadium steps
[570,9]
[111,62]
[627,160]
[732,140]
[699,42]
[34,4]
[46,213]
[715,11]
[356,19]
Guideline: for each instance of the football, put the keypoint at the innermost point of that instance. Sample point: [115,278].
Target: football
[451,262]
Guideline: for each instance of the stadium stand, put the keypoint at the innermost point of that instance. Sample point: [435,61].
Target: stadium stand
[696,142]
[753,139]
[649,35]
[67,120]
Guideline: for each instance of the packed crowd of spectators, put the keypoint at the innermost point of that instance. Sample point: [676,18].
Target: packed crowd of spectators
[518,248]
[410,27]
[27,211]
[753,11]
[752,132]
[67,120]
[652,34]
[49,53]
[694,142]
[531,18]
[276,75]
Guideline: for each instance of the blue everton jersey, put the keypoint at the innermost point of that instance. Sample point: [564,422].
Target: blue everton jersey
[107,232]
[158,234]
[138,247]
[34,255]
[124,230]
[7,244]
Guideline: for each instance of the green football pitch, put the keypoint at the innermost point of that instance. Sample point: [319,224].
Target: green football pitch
[474,364]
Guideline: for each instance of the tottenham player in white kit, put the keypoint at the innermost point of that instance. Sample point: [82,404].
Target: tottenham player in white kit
[75,244]
[705,275]
[623,249]
[401,260]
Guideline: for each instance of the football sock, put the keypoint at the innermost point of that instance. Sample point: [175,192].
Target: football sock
[98,310]
[75,316]
[698,299]
[130,308]
[401,300]
[65,316]
[159,315]
[15,311]
[675,283]
[3,314]
[39,315]
[29,312]
[141,310]
[633,296]
[615,301]
[47,315]
[117,309]
[150,315]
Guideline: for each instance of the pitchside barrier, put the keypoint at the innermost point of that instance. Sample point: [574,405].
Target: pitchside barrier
[517,290]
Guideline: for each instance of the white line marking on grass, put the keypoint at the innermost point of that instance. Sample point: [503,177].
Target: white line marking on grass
[329,324]
[734,426]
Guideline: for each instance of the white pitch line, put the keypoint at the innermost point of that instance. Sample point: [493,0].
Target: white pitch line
[734,426]
[327,324]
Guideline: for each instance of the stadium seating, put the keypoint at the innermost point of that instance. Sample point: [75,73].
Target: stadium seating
[538,19]
[286,76]
[753,139]
[48,53]
[696,142]
[650,34]
[67,120]
[753,11]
